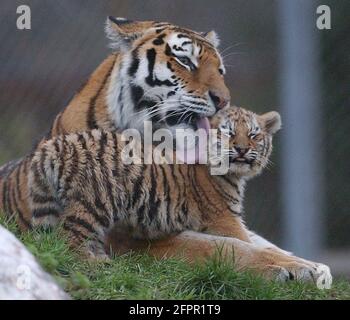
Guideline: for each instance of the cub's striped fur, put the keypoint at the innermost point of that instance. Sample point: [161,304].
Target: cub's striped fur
[81,180]
[158,72]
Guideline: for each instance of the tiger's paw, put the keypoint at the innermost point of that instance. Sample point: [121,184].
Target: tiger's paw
[316,273]
[284,267]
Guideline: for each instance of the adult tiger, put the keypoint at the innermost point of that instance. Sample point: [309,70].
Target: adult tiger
[159,72]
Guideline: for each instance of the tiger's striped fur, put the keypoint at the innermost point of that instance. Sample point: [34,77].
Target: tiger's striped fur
[158,72]
[81,180]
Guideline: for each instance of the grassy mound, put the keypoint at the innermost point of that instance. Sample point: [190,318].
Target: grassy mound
[137,276]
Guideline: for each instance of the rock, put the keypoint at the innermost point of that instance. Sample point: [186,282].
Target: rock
[21,277]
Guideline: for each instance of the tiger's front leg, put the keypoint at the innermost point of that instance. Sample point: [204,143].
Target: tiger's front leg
[228,225]
[261,242]
[270,259]
[244,256]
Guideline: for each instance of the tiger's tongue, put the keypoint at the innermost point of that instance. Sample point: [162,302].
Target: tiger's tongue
[197,153]
[203,123]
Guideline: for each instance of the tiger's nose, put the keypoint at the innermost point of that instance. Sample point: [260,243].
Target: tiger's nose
[219,101]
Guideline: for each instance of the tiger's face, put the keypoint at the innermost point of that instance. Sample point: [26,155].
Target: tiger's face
[166,74]
[248,138]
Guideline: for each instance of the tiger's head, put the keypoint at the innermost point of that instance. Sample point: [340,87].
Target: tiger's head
[248,139]
[165,74]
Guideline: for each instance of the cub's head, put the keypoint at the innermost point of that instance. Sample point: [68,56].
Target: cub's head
[165,74]
[245,139]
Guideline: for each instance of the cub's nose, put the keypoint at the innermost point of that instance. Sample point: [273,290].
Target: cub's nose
[241,150]
[219,101]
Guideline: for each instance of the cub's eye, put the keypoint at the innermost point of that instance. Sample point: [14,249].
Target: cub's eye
[221,71]
[186,62]
[252,135]
[226,132]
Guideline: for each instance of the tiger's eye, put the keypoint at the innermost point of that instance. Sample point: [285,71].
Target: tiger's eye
[187,62]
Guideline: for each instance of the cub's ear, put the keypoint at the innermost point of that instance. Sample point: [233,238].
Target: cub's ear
[271,122]
[123,32]
[213,38]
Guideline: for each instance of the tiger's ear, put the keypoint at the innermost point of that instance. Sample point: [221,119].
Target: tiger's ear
[123,32]
[213,38]
[271,122]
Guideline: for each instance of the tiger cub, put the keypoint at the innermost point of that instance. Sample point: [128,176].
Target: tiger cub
[79,179]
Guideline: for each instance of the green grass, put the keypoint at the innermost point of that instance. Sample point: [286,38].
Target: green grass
[137,276]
